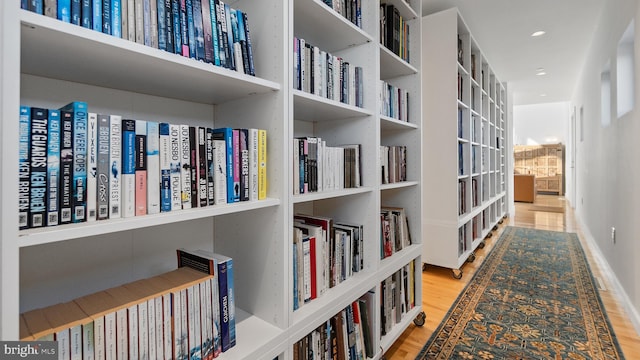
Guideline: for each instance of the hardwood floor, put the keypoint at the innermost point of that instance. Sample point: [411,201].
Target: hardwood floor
[440,289]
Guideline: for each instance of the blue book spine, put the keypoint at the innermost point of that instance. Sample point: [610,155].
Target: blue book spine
[162,27]
[38,163]
[224,305]
[106,17]
[116,18]
[168,21]
[191,29]
[252,70]
[242,39]
[87,14]
[24,4]
[128,167]
[53,168]
[177,30]
[184,29]
[66,167]
[232,304]
[198,30]
[214,32]
[226,134]
[222,34]
[207,31]
[76,12]
[97,15]
[79,109]
[64,10]
[146,22]
[36,6]
[24,168]
[165,167]
[296,305]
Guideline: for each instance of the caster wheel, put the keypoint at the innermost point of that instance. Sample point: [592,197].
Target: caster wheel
[457,274]
[489,235]
[495,228]
[501,221]
[419,320]
[471,258]
[481,245]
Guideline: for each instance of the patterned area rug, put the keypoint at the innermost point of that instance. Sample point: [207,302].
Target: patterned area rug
[534,297]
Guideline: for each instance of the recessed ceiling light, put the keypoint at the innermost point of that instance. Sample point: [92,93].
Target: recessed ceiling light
[543,95]
[538,33]
[540,73]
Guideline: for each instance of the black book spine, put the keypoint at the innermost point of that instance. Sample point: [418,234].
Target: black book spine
[66,166]
[210,168]
[193,149]
[203,194]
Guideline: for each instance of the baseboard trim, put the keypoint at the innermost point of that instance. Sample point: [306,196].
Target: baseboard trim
[631,311]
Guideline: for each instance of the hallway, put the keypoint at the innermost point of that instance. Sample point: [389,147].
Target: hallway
[440,289]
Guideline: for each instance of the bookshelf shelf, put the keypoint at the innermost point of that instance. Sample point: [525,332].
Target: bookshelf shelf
[390,124]
[457,228]
[310,107]
[399,185]
[322,195]
[391,65]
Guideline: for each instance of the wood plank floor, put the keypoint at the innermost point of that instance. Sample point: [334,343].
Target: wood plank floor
[440,289]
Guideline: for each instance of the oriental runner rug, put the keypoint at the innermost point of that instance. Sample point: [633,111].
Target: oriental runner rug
[534,297]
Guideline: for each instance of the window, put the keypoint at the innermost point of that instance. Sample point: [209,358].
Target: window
[625,71]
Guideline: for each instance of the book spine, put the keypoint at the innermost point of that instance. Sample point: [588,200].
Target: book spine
[153,11]
[193,152]
[224,305]
[244,164]
[151,326]
[53,168]
[176,15]
[76,11]
[226,134]
[167,339]
[134,336]
[141,167]
[88,341]
[242,34]
[162,24]
[128,168]
[64,10]
[124,19]
[132,6]
[222,57]
[36,6]
[122,335]
[229,30]
[24,167]
[79,159]
[232,304]
[210,168]
[184,326]
[226,60]
[96,15]
[198,30]
[66,167]
[168,22]
[236,164]
[206,319]
[185,153]
[191,32]
[203,194]
[215,301]
[75,337]
[220,171]
[207,31]
[86,14]
[99,340]
[215,44]
[116,18]
[143,331]
[175,167]
[50,8]
[262,164]
[194,320]
[138,18]
[165,167]
[38,164]
[153,167]
[146,23]
[106,17]
[102,170]
[92,165]
[253,164]
[110,331]
[115,166]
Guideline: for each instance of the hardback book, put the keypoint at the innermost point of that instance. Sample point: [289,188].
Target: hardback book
[223,45]
[319,258]
[207,34]
[38,164]
[247,32]
[66,167]
[203,193]
[79,109]
[184,29]
[76,11]
[153,167]
[141,167]
[92,166]
[102,169]
[195,174]
[175,166]
[185,162]
[262,164]
[128,168]
[53,168]
[115,167]
[226,134]
[227,35]
[24,166]
[165,166]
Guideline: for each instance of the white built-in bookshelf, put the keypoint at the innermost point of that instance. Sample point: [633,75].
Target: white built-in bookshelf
[465,125]
[47,63]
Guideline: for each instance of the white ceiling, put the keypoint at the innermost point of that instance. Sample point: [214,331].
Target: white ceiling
[503,28]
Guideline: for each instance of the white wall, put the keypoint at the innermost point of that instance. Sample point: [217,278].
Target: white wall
[541,123]
[607,165]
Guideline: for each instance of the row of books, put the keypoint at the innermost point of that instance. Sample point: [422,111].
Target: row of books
[325,253]
[462,197]
[320,73]
[397,296]
[318,167]
[394,101]
[206,30]
[176,315]
[78,166]
[462,239]
[461,158]
[346,335]
[349,9]
[394,231]
[394,31]
[393,160]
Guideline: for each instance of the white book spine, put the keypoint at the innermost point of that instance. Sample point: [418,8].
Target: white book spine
[220,177]
[178,352]
[115,168]
[151,326]
[167,336]
[153,167]
[206,319]
[131,20]
[303,64]
[143,331]
[92,166]
[253,164]
[64,344]
[88,341]
[184,326]
[196,351]
[237,52]
[138,18]
[215,302]
[122,335]
[176,168]
[75,334]
[185,161]
[322,91]
[110,352]
[191,323]
[134,339]
[352,85]
[337,86]
[316,70]
[159,329]
[99,339]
